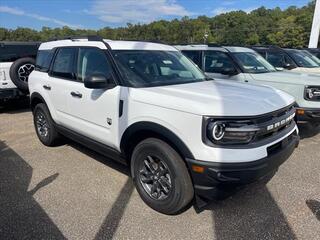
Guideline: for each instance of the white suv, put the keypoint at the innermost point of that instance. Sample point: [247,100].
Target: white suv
[147,105]
[245,65]
[17,60]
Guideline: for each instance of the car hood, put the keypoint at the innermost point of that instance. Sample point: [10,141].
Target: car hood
[306,70]
[288,77]
[216,98]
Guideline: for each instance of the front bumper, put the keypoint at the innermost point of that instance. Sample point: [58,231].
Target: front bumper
[308,115]
[220,180]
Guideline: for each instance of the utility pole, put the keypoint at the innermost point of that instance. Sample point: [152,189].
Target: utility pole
[315,31]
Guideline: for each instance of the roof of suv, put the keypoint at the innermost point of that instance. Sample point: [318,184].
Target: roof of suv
[199,47]
[114,45]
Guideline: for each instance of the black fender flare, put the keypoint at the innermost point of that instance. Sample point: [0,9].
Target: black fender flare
[158,130]
[35,96]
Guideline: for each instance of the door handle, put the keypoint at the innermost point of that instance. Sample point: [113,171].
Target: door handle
[76,94]
[47,87]
[246,81]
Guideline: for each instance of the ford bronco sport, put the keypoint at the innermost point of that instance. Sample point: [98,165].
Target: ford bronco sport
[183,135]
[245,65]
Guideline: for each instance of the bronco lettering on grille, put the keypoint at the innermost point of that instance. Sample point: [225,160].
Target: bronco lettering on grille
[281,123]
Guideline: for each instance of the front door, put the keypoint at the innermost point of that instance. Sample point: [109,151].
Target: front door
[94,112]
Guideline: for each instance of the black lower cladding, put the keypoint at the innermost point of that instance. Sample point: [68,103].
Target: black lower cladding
[220,180]
[9,93]
[310,115]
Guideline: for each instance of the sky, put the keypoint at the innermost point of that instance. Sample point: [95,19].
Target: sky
[96,14]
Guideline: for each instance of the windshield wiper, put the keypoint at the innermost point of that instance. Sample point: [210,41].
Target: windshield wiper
[208,79]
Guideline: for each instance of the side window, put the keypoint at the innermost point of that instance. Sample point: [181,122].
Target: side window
[92,61]
[63,65]
[278,59]
[43,61]
[218,62]
[195,56]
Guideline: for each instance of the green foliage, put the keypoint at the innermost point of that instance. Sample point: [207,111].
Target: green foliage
[288,28]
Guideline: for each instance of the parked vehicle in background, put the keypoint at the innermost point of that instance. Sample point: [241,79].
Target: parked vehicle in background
[290,59]
[147,105]
[17,61]
[246,65]
[314,51]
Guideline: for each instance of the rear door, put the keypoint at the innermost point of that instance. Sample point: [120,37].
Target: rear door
[61,76]
[93,112]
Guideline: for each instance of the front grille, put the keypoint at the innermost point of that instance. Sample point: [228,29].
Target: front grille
[279,121]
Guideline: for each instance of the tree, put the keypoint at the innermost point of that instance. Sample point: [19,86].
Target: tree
[287,28]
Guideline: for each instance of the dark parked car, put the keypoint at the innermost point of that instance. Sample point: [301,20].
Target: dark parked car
[298,60]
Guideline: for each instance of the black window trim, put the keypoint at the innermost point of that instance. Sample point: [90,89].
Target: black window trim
[50,72]
[40,69]
[113,74]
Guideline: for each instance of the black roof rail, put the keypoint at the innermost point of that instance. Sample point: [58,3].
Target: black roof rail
[73,38]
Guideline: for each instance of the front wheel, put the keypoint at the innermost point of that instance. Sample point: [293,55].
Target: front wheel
[44,126]
[161,176]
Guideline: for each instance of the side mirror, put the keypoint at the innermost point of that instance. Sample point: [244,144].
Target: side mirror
[287,66]
[99,81]
[229,71]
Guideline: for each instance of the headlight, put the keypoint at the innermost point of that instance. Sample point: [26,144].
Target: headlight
[230,133]
[312,93]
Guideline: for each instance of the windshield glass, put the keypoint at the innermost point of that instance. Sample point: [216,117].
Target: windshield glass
[302,59]
[145,68]
[312,56]
[252,62]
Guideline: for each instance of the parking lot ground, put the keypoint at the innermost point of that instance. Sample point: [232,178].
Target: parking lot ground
[71,192]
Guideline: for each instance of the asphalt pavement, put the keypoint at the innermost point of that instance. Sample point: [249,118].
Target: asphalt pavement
[71,192]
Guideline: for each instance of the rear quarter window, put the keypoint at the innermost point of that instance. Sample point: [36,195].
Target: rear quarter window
[43,61]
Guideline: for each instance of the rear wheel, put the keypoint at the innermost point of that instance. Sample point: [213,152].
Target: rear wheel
[161,176]
[44,126]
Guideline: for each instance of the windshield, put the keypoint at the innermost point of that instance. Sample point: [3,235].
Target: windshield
[302,59]
[145,68]
[312,56]
[252,62]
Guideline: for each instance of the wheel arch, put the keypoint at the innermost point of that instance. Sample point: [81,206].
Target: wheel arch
[139,131]
[35,99]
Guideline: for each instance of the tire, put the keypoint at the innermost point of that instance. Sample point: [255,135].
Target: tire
[20,71]
[44,125]
[172,177]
